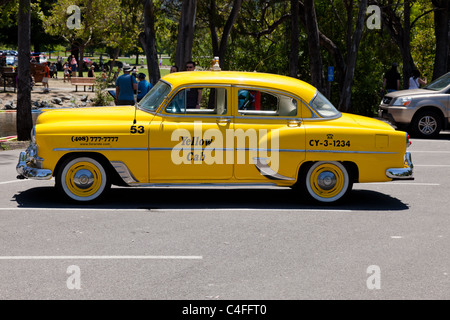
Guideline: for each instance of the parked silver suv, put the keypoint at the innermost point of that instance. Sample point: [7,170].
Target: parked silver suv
[422,112]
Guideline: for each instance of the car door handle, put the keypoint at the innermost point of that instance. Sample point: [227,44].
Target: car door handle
[223,121]
[294,123]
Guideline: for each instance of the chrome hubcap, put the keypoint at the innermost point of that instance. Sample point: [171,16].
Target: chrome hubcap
[326,180]
[83,179]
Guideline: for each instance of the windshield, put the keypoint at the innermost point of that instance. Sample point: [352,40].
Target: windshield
[153,99]
[439,83]
[323,107]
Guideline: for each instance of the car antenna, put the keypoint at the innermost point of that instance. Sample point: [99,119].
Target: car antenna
[134,100]
[135,109]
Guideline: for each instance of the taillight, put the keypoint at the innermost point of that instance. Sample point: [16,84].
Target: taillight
[408,142]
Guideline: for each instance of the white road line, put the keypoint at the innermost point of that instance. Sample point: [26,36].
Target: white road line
[403,183]
[432,165]
[12,181]
[101,257]
[429,151]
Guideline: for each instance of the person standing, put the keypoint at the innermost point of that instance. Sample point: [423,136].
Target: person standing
[126,84]
[91,72]
[46,77]
[193,95]
[73,63]
[143,87]
[391,80]
[67,71]
[415,81]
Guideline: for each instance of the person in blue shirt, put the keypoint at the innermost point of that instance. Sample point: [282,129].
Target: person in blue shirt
[126,84]
[143,86]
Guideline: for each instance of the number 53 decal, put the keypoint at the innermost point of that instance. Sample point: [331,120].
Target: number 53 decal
[137,129]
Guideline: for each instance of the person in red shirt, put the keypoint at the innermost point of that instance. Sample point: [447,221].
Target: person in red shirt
[46,77]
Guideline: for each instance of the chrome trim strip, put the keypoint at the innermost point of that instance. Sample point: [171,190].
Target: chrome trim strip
[357,152]
[263,167]
[202,185]
[189,148]
[239,117]
[124,172]
[100,149]
[269,150]
[405,173]
[183,115]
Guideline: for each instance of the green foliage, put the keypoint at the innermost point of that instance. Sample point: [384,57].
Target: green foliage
[102,97]
[259,40]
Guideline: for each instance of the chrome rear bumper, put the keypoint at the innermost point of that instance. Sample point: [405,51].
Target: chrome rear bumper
[405,173]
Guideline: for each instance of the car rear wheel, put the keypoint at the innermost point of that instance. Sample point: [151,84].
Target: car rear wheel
[427,124]
[82,179]
[327,181]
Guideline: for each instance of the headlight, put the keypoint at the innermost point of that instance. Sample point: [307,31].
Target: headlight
[33,135]
[404,101]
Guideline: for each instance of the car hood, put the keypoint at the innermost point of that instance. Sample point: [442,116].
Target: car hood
[98,114]
[411,92]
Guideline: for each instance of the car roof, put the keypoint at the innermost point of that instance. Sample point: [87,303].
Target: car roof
[253,79]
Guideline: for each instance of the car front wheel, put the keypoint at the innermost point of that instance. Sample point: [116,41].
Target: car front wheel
[427,124]
[327,181]
[82,179]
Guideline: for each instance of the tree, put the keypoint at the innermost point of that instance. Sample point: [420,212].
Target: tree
[186,33]
[345,66]
[295,33]
[148,41]
[122,30]
[352,51]
[441,31]
[219,49]
[97,18]
[315,57]
[24,118]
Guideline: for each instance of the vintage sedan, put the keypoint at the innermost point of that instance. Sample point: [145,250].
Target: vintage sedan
[207,128]
[423,112]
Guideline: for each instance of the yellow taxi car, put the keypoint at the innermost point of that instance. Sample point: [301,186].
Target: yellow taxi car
[207,128]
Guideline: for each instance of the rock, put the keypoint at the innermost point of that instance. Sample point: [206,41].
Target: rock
[57,101]
[84,98]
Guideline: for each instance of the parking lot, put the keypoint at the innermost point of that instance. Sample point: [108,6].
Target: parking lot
[387,241]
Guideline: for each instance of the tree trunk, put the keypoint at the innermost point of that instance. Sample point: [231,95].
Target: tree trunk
[148,41]
[295,44]
[353,45]
[219,50]
[315,57]
[113,62]
[24,120]
[81,62]
[401,36]
[441,32]
[186,33]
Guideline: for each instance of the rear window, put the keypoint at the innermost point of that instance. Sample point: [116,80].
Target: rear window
[324,107]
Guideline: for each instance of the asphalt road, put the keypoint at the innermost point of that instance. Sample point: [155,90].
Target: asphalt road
[387,241]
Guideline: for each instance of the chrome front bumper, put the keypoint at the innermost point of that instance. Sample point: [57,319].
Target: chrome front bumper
[405,173]
[30,165]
